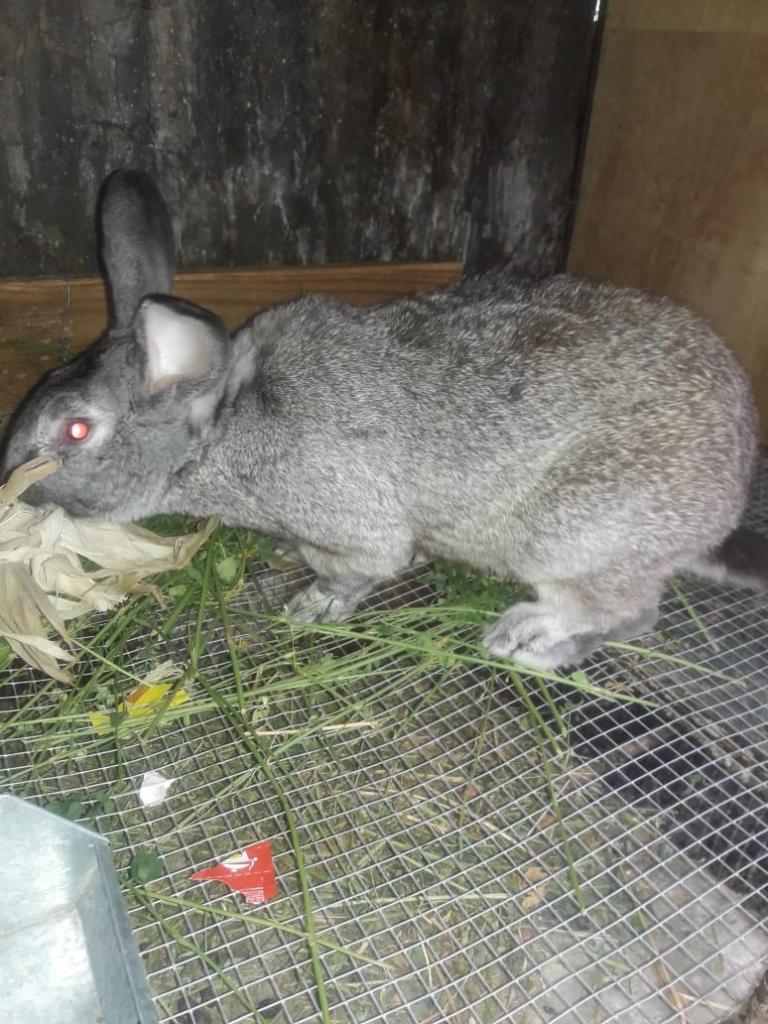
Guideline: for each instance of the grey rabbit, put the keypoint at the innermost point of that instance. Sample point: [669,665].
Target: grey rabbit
[754,1010]
[588,439]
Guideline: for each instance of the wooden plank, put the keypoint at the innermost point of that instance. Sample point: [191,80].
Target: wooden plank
[673,194]
[749,16]
[21,365]
[43,320]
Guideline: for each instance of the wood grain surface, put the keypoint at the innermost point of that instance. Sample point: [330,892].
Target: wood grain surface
[44,320]
[674,193]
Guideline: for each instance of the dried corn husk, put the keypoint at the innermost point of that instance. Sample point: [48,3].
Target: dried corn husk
[43,582]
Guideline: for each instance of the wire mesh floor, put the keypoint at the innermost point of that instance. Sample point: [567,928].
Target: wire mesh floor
[437,875]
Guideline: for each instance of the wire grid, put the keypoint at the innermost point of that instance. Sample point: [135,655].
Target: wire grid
[431,846]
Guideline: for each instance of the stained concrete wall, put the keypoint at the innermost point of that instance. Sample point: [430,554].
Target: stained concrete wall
[295,131]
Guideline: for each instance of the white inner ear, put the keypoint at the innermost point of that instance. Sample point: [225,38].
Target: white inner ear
[178,347]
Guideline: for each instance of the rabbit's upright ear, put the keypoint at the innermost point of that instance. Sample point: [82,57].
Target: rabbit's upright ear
[136,242]
[182,344]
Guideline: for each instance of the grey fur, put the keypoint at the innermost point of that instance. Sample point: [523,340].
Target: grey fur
[742,558]
[588,439]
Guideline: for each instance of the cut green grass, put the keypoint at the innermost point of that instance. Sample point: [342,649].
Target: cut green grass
[269,699]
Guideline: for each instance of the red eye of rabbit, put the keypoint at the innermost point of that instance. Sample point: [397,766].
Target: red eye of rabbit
[76,431]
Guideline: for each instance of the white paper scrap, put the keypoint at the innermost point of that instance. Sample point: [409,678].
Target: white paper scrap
[154,787]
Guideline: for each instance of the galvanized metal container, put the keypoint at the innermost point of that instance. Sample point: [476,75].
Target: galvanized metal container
[66,947]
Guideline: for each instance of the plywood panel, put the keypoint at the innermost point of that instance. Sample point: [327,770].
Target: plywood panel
[674,192]
[43,320]
[749,16]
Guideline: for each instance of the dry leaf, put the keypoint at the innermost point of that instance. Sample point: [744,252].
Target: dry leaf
[531,900]
[140,703]
[43,582]
[535,874]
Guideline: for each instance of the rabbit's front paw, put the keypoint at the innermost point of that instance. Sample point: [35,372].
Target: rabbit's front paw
[317,605]
[539,637]
[287,555]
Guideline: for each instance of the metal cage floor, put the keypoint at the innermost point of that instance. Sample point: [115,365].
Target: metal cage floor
[432,849]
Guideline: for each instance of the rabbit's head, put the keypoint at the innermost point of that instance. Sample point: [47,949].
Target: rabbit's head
[128,413]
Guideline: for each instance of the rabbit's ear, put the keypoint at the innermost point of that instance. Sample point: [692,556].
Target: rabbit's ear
[136,242]
[181,342]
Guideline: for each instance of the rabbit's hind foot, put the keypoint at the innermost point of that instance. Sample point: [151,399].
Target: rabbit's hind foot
[544,636]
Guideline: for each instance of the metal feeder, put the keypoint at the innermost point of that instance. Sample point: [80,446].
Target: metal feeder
[66,945]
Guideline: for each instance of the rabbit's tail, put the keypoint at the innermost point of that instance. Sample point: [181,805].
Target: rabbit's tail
[742,558]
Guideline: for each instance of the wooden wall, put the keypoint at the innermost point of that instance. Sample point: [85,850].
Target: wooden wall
[44,320]
[295,132]
[674,193]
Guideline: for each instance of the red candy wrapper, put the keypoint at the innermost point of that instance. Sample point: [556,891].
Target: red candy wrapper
[250,872]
